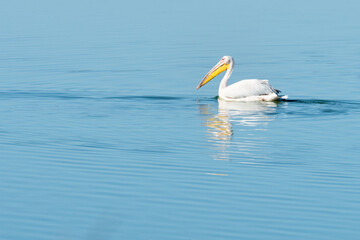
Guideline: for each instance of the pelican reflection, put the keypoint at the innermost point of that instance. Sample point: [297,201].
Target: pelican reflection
[250,115]
[242,119]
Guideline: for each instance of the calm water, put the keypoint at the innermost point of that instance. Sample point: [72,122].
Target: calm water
[103,136]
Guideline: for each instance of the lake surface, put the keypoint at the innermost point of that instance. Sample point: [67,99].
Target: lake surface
[103,135]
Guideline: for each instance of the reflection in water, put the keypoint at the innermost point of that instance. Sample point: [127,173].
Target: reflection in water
[249,116]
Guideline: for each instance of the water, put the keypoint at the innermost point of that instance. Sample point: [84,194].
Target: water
[103,136]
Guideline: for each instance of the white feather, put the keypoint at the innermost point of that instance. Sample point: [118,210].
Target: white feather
[250,90]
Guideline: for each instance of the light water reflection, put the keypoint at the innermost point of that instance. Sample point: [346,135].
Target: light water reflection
[241,118]
[246,114]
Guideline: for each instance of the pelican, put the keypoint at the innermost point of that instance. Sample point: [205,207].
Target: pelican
[244,90]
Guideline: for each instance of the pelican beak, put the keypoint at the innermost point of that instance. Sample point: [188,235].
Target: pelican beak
[216,70]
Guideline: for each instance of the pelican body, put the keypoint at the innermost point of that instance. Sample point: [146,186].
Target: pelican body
[245,90]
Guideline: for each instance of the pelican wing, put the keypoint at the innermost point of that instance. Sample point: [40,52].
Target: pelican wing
[248,88]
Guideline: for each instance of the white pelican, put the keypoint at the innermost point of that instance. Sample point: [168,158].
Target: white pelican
[245,90]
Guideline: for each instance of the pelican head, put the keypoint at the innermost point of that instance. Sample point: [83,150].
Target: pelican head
[221,66]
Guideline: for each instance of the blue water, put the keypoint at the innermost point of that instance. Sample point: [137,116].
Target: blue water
[103,135]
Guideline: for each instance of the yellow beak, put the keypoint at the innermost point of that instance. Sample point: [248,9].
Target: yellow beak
[216,70]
